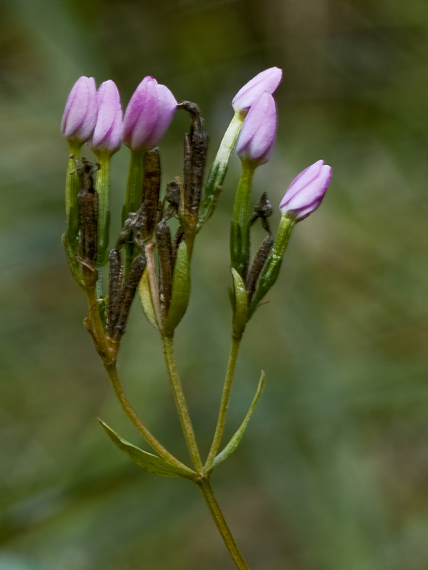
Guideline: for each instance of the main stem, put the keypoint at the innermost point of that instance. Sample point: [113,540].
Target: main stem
[221,421]
[180,402]
[221,524]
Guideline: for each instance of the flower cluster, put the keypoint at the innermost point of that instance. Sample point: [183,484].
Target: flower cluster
[96,117]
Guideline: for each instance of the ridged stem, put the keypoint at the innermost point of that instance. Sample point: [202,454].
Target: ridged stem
[97,331]
[221,524]
[180,402]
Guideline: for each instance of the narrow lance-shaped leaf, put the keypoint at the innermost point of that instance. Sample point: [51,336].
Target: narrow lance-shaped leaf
[147,461]
[234,442]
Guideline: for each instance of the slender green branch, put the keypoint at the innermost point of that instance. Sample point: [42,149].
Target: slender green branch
[180,402]
[221,421]
[95,327]
[221,524]
[130,412]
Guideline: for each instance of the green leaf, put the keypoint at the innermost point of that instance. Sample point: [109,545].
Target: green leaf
[241,304]
[146,299]
[180,289]
[234,442]
[147,461]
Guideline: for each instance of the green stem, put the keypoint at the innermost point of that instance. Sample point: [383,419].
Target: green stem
[134,195]
[221,524]
[221,421]
[180,402]
[130,412]
[240,229]
[103,189]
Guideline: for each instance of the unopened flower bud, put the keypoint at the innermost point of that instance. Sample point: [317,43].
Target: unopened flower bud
[266,81]
[306,192]
[148,115]
[107,136]
[80,114]
[257,139]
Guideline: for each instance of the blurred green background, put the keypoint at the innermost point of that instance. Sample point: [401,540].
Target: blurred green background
[333,471]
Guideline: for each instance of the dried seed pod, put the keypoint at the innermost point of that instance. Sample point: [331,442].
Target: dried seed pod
[257,266]
[115,289]
[195,154]
[263,210]
[87,207]
[151,187]
[131,283]
[179,234]
[163,236]
[172,196]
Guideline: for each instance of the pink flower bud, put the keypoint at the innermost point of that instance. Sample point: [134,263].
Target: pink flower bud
[257,139]
[148,115]
[80,114]
[266,81]
[306,192]
[107,136]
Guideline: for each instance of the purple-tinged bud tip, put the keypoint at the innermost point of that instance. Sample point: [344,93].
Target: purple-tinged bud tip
[148,115]
[80,114]
[257,139]
[266,81]
[307,191]
[107,136]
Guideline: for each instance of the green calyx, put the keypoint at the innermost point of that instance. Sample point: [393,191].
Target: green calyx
[240,228]
[103,188]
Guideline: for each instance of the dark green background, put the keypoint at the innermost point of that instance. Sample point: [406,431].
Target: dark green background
[333,471]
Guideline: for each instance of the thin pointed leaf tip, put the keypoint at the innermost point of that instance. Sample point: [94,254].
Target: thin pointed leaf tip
[306,192]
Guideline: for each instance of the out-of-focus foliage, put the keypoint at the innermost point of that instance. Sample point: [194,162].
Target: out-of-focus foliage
[333,471]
